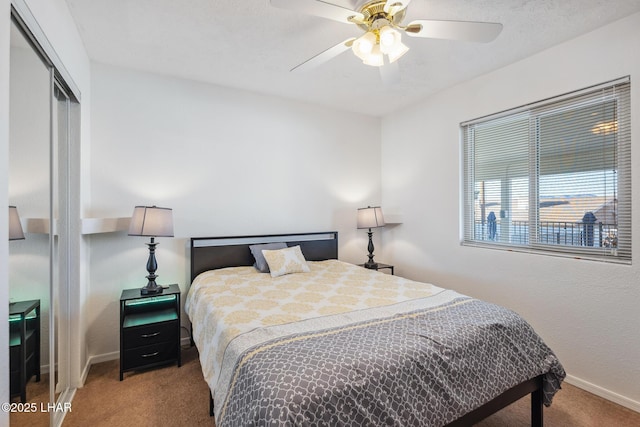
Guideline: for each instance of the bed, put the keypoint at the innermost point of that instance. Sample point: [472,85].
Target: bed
[342,345]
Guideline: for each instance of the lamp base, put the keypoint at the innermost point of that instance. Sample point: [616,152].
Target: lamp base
[151,291]
[152,287]
[371,263]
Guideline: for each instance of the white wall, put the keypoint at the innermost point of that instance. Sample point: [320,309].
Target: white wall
[586,311]
[227,162]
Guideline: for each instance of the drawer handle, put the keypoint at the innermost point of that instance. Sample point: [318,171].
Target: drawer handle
[151,354]
[150,335]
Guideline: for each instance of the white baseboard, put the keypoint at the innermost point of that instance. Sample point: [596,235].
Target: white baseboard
[85,372]
[105,357]
[604,393]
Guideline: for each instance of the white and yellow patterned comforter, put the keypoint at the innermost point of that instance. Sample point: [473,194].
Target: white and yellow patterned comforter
[225,305]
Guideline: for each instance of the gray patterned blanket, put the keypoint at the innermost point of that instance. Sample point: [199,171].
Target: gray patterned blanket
[426,367]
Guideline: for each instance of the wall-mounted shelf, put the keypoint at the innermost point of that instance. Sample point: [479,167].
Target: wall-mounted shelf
[89,225]
[104,225]
[393,219]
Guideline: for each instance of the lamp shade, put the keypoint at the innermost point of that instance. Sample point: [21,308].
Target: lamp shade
[151,221]
[370,217]
[375,58]
[397,51]
[363,45]
[388,38]
[15,227]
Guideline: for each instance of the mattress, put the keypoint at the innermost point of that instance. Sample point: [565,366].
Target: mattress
[343,345]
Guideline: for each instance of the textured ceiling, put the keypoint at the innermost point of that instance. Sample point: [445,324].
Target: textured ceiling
[251,45]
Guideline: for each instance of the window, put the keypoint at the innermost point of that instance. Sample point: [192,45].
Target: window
[552,177]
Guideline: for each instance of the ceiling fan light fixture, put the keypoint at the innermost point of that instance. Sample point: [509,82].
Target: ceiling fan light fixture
[397,51]
[375,58]
[382,23]
[389,38]
[363,46]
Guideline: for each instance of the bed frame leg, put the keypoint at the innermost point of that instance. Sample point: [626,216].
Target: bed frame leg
[210,404]
[537,408]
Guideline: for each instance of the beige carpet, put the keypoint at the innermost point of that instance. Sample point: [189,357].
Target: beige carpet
[173,396]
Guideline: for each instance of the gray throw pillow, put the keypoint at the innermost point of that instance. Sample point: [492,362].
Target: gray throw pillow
[256,250]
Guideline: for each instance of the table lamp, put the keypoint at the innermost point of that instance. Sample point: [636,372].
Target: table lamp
[370,217]
[151,221]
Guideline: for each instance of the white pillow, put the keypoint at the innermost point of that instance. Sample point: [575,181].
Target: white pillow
[285,261]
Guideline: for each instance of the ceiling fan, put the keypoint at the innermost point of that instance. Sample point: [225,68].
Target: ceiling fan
[381,20]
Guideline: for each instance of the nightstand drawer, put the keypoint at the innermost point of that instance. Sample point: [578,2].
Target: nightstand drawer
[150,334]
[150,355]
[14,358]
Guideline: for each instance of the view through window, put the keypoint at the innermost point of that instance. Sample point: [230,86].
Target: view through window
[553,176]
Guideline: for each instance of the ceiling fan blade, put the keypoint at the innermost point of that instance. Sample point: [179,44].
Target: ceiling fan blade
[454,30]
[325,56]
[390,73]
[320,8]
[394,6]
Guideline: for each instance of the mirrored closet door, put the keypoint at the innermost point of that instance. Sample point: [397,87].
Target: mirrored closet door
[30,192]
[43,116]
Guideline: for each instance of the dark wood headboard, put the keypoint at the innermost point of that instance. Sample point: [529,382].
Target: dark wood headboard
[210,253]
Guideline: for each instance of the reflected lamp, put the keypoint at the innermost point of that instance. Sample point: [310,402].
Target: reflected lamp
[151,221]
[15,227]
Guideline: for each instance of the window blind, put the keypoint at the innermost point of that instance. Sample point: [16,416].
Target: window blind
[552,176]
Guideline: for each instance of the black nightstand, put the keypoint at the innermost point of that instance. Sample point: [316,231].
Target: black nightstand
[149,329]
[380,267]
[24,345]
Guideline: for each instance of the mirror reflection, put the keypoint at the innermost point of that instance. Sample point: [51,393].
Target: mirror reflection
[30,196]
